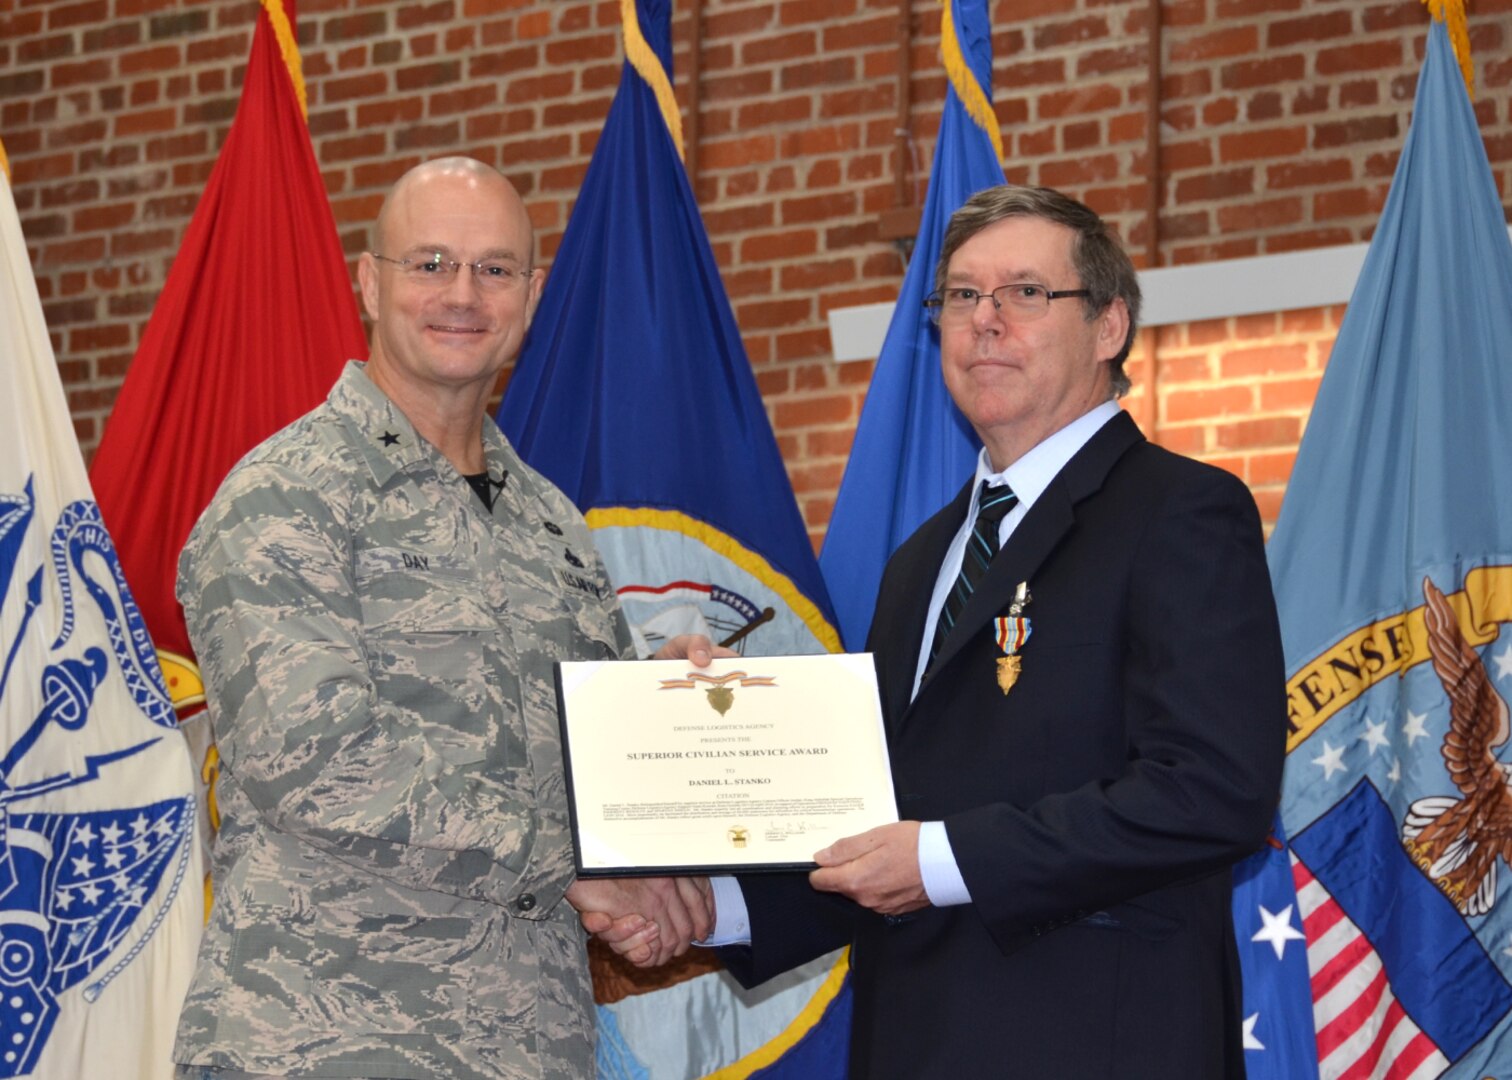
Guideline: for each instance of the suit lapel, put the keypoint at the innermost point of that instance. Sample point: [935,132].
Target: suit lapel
[1031,543]
[903,635]
[1037,536]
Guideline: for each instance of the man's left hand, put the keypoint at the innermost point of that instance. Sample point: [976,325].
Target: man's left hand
[878,869]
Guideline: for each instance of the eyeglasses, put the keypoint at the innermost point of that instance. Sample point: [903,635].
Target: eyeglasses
[1023,301]
[494,275]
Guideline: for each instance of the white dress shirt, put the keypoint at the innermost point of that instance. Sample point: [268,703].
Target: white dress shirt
[1028,477]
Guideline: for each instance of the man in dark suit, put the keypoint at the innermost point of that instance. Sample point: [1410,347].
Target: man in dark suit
[1082,677]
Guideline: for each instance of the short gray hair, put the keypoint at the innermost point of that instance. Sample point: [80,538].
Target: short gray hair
[1101,264]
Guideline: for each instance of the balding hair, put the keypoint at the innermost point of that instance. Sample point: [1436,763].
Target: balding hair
[456,165]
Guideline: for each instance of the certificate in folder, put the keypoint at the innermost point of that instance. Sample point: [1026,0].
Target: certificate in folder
[753,763]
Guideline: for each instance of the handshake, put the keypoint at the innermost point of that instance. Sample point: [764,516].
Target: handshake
[648,921]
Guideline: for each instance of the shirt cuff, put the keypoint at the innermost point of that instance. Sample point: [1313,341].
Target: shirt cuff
[943,883]
[732,922]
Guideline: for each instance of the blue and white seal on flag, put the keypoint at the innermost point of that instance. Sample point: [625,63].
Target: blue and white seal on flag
[87,872]
[678,575]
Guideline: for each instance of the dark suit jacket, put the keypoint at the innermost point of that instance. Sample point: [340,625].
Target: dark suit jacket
[1094,811]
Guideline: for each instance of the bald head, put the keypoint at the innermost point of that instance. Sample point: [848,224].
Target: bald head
[451,287]
[444,173]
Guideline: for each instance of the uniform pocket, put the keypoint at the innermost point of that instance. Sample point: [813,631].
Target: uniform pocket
[591,624]
[428,638]
[406,592]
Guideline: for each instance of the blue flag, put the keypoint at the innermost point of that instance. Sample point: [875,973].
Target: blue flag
[1278,1028]
[913,449]
[1392,563]
[635,396]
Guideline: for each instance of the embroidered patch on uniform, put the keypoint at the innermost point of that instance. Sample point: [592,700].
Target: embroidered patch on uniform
[553,528]
[572,560]
[413,562]
[389,438]
[581,584]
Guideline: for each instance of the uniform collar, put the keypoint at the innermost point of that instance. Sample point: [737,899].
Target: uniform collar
[388,441]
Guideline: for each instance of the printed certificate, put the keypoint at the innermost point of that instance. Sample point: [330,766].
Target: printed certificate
[753,763]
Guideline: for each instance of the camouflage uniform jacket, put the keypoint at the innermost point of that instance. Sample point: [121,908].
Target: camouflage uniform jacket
[377,650]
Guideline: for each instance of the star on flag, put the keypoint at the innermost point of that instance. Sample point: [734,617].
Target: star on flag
[1375,736]
[1278,930]
[1331,760]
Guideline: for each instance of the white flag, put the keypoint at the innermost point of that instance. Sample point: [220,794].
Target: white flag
[101,883]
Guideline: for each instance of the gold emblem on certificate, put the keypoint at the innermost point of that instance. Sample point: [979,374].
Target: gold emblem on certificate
[1012,632]
[720,692]
[739,835]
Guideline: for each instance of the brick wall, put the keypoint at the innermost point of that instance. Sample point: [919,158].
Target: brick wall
[1280,125]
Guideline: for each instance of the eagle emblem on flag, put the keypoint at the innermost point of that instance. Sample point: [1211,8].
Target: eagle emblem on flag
[1458,841]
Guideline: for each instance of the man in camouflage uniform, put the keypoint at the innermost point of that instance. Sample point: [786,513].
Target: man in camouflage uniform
[377,595]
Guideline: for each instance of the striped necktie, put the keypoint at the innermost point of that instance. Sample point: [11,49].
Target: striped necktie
[993,504]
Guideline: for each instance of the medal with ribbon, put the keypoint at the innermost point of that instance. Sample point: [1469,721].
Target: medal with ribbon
[1013,632]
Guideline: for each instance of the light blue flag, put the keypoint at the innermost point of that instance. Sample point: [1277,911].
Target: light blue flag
[1392,563]
[913,449]
[634,394]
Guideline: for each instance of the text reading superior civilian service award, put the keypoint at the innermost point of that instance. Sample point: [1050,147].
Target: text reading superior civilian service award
[748,764]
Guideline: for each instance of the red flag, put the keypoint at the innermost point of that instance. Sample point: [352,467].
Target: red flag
[252,328]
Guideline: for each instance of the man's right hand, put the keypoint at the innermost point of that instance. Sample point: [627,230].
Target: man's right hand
[648,921]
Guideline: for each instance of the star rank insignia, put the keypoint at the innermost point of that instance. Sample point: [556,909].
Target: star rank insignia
[389,438]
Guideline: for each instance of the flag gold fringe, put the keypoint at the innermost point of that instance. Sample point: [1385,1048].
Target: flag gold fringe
[288,46]
[1452,14]
[722,543]
[800,1026]
[643,58]
[977,104]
